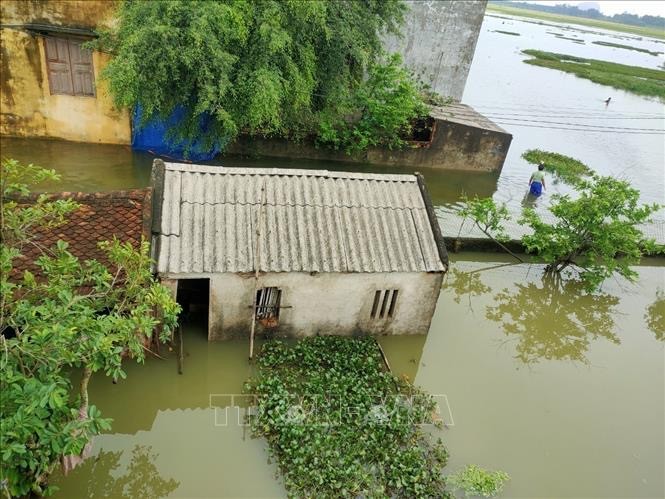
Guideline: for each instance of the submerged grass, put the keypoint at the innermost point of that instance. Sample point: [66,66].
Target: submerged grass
[506,32]
[626,47]
[339,425]
[559,18]
[640,81]
[569,170]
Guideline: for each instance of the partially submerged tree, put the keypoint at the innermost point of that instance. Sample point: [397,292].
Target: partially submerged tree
[72,315]
[597,233]
[262,68]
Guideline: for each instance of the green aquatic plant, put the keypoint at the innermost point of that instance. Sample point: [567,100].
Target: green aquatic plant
[476,481]
[339,425]
[638,80]
[569,170]
[506,32]
[626,47]
[70,315]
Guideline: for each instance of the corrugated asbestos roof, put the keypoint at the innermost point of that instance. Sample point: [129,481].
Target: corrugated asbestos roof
[309,221]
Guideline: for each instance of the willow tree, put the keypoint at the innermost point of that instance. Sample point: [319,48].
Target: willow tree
[272,67]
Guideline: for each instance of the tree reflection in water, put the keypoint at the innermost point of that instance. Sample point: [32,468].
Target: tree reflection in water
[140,479]
[655,316]
[554,321]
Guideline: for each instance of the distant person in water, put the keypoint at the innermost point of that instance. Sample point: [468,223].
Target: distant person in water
[607,102]
[537,181]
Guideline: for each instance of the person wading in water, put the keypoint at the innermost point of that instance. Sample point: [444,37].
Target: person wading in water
[537,181]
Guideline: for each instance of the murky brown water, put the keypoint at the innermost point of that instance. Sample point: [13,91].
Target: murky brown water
[562,391]
[565,392]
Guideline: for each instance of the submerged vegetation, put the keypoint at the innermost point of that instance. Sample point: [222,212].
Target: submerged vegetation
[507,32]
[339,425]
[569,170]
[640,81]
[283,69]
[626,47]
[68,315]
[567,19]
[475,481]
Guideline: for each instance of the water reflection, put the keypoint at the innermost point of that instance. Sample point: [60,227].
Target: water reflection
[550,319]
[655,316]
[107,477]
[554,321]
[467,284]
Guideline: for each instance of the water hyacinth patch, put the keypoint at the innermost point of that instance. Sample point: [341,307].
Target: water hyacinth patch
[339,425]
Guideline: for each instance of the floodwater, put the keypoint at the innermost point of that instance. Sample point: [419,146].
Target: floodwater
[570,110]
[564,391]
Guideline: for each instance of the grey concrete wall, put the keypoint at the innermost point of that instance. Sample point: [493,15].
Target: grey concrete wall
[439,40]
[454,146]
[323,303]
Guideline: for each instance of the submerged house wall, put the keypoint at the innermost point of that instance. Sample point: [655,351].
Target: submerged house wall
[462,139]
[322,303]
[62,97]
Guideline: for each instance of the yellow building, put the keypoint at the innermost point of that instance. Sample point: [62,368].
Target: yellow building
[49,85]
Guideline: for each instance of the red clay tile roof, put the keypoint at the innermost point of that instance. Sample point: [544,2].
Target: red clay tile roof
[102,215]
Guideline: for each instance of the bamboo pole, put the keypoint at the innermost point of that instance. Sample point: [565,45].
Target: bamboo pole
[383,354]
[257,262]
[181,356]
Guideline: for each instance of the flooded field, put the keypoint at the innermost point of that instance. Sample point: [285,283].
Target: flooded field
[565,392]
[547,109]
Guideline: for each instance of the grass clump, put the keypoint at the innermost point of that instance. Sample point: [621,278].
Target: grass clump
[640,81]
[339,425]
[567,169]
[626,47]
[507,32]
[475,481]
[562,18]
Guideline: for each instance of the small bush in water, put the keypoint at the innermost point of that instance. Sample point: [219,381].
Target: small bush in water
[476,481]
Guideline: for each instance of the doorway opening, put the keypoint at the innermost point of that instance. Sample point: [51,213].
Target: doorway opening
[194,298]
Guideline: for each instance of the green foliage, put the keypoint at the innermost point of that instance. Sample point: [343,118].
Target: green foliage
[597,232]
[638,80]
[488,216]
[569,170]
[340,426]
[387,103]
[260,68]
[626,47]
[72,315]
[477,481]
[512,33]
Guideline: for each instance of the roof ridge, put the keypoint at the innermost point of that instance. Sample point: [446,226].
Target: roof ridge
[289,172]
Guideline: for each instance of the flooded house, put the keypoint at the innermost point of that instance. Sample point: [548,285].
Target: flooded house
[298,252]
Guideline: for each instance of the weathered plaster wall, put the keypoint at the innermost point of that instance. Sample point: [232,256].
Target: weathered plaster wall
[27,108]
[454,146]
[325,303]
[439,40]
